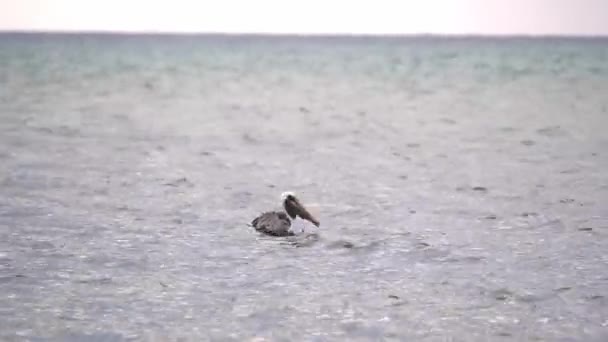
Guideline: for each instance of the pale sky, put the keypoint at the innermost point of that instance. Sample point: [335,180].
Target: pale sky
[574,17]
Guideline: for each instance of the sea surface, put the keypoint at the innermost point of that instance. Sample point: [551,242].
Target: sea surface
[461,185]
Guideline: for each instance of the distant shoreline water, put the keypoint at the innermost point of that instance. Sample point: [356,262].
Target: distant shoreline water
[416,36]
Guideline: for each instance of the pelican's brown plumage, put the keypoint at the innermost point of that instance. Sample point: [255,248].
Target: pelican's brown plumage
[277,223]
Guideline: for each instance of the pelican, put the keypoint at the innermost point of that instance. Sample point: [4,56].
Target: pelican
[277,223]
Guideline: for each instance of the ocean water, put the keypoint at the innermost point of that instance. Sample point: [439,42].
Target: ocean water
[461,185]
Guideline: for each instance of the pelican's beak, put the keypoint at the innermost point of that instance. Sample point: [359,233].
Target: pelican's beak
[300,210]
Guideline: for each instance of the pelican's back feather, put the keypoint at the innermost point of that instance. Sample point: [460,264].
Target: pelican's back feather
[273,223]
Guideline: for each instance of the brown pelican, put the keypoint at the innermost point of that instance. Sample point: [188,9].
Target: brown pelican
[277,223]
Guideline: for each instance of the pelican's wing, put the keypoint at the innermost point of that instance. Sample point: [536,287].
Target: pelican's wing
[273,223]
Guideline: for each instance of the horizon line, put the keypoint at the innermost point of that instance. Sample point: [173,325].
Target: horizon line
[305,34]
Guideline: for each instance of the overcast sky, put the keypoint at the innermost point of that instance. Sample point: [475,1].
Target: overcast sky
[586,17]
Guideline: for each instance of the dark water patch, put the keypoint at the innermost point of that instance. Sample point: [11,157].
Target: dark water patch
[42,245]
[570,171]
[423,252]
[183,181]
[119,117]
[529,214]
[528,142]
[396,300]
[248,138]
[508,129]
[490,217]
[466,259]
[423,245]
[11,278]
[413,145]
[363,247]
[595,297]
[33,179]
[504,334]
[533,298]
[502,294]
[62,131]
[552,131]
[400,156]
[340,244]
[399,235]
[94,280]
[533,160]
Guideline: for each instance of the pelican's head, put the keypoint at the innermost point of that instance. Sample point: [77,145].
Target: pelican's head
[287,194]
[294,208]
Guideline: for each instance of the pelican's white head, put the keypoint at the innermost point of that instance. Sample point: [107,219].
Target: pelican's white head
[286,195]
